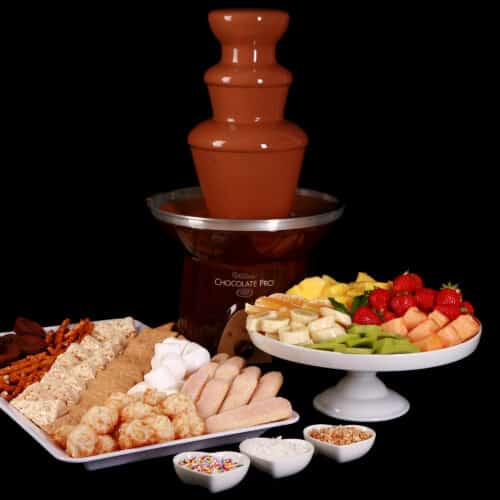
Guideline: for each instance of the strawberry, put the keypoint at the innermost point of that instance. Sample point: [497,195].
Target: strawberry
[451,311]
[418,280]
[388,315]
[379,299]
[404,283]
[466,307]
[449,295]
[425,298]
[364,315]
[401,303]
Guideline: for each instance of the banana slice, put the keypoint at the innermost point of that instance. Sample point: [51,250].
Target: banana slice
[321,323]
[340,317]
[273,335]
[327,333]
[327,311]
[295,325]
[303,316]
[272,325]
[253,320]
[295,336]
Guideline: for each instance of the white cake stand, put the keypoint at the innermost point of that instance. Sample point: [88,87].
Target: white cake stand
[361,396]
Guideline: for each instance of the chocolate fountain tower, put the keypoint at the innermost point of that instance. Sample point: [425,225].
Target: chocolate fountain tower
[248,230]
[248,158]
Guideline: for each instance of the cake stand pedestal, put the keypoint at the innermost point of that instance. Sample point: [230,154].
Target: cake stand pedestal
[361,396]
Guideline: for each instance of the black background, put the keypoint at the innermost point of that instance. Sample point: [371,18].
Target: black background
[395,101]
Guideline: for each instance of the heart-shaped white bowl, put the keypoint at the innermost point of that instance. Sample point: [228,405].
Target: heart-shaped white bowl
[341,453]
[279,467]
[213,482]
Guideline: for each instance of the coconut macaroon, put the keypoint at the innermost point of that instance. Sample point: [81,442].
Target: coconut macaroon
[104,428]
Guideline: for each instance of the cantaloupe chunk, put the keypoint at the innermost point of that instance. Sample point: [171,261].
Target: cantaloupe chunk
[426,328]
[466,326]
[449,336]
[430,343]
[413,317]
[396,325]
[440,318]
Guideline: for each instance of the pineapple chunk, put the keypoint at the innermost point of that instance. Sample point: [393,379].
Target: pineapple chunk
[364,277]
[385,286]
[295,290]
[328,279]
[337,289]
[311,288]
[344,299]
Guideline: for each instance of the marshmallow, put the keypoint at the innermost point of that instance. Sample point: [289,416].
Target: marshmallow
[173,362]
[194,355]
[161,379]
[174,345]
[139,388]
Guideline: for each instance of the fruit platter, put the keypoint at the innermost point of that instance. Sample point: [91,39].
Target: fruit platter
[365,327]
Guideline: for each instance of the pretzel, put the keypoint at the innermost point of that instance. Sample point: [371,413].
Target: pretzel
[59,335]
[27,361]
[41,367]
[4,386]
[50,337]
[89,326]
[21,374]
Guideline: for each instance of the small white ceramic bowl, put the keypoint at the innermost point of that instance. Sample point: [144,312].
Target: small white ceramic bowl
[341,453]
[280,467]
[213,482]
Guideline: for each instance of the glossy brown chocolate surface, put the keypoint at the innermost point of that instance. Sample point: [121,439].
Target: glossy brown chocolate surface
[247,157]
[227,268]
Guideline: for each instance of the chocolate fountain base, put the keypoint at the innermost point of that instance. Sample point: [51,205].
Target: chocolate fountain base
[231,261]
[213,291]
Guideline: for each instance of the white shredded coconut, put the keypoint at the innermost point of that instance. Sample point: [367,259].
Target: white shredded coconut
[275,448]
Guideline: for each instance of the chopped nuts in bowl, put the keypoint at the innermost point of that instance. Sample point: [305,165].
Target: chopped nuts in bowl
[343,443]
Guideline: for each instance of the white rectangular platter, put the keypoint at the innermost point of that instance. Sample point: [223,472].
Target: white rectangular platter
[145,452]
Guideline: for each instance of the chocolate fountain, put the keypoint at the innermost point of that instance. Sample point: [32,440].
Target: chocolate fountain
[248,230]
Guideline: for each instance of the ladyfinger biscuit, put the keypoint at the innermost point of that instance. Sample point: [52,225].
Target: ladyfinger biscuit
[269,386]
[257,413]
[241,391]
[220,358]
[230,368]
[196,381]
[212,396]
[255,370]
